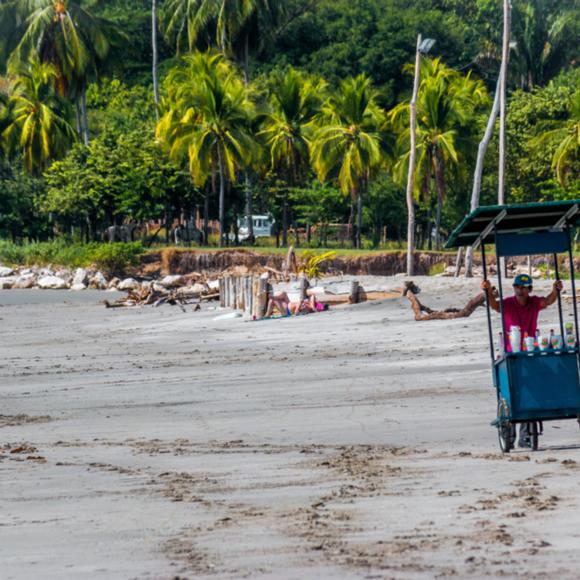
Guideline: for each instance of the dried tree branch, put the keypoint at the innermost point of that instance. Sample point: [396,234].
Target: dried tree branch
[446,314]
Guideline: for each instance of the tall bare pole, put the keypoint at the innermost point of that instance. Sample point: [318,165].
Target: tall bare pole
[412,155]
[502,99]
[475,192]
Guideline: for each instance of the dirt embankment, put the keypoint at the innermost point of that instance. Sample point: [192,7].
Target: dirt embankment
[178,261]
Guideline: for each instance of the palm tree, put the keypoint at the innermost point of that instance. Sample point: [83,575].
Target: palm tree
[446,105]
[206,121]
[61,33]
[295,100]
[566,134]
[38,128]
[546,33]
[229,25]
[347,145]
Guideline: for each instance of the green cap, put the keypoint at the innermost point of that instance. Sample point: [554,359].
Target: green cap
[523,280]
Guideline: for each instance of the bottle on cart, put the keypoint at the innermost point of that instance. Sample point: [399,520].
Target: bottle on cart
[501,344]
[529,343]
[515,339]
[570,336]
[537,339]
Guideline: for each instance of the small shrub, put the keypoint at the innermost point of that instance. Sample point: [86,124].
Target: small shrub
[436,269]
[310,263]
[116,258]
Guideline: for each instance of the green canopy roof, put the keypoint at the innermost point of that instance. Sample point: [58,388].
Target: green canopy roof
[480,224]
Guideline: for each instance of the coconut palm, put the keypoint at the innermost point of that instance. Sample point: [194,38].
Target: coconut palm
[446,105]
[566,134]
[61,33]
[206,121]
[38,128]
[295,100]
[347,144]
[546,33]
[229,25]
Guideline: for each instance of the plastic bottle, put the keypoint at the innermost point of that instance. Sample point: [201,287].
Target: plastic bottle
[501,343]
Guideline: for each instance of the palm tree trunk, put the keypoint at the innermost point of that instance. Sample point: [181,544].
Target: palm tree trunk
[475,192]
[440,184]
[85,118]
[358,219]
[249,210]
[206,213]
[285,219]
[78,118]
[246,61]
[412,155]
[155,56]
[222,200]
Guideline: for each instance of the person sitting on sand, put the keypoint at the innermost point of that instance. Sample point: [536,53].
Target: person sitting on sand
[522,309]
[282,303]
[307,306]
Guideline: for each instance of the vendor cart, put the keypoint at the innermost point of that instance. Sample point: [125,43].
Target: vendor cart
[538,386]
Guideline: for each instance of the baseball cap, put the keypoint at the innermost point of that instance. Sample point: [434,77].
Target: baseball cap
[523,280]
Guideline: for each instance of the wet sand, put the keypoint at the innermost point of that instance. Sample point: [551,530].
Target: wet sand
[355,443]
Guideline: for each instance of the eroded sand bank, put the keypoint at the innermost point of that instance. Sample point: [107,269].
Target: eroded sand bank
[152,443]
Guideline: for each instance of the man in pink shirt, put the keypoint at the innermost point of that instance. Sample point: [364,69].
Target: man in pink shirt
[522,310]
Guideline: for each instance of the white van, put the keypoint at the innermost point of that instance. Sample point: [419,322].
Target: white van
[262,227]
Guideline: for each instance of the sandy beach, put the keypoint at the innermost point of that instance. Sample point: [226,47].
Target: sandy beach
[152,443]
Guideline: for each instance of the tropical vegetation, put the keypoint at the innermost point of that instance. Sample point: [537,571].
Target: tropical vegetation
[205,111]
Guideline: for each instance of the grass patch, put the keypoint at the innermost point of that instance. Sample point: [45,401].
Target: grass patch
[112,258]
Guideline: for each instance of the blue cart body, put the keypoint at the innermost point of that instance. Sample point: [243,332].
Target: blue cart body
[539,386]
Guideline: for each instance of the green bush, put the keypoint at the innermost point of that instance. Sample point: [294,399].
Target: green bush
[113,258]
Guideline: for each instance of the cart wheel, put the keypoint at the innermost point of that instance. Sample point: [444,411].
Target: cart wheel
[504,428]
[534,435]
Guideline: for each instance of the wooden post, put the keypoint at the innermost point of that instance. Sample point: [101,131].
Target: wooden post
[303,287]
[262,298]
[255,299]
[249,295]
[354,292]
[235,280]
[226,292]
[221,290]
[230,292]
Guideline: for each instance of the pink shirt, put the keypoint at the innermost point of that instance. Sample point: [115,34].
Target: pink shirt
[526,317]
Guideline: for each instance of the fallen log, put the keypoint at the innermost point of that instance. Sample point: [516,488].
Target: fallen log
[446,314]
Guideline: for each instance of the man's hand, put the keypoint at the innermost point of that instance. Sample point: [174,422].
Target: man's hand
[553,295]
[486,287]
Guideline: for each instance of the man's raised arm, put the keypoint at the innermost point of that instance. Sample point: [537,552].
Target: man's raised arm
[486,287]
[552,296]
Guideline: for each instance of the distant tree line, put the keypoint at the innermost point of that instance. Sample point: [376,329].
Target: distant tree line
[155,110]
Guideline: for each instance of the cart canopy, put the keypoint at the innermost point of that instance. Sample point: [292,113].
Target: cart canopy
[525,228]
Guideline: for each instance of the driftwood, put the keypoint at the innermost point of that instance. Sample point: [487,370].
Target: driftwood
[291,264]
[147,295]
[278,276]
[446,314]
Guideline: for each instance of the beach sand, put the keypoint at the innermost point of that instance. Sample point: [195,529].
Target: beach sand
[355,443]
